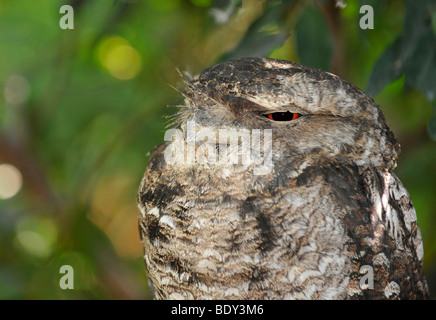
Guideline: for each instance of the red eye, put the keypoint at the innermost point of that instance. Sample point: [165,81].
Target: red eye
[282,116]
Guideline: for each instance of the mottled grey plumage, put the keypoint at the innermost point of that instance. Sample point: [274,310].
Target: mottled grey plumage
[329,206]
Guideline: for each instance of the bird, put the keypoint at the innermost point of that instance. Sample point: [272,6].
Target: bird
[276,182]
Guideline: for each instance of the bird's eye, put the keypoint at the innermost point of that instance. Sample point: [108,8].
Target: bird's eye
[282,116]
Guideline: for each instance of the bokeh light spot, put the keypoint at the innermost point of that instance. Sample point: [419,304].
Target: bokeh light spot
[37,236]
[17,90]
[120,58]
[11,181]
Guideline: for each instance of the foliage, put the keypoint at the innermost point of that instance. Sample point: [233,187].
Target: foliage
[80,108]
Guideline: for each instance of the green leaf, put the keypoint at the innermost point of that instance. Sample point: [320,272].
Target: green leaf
[432,127]
[434,21]
[413,53]
[417,23]
[388,68]
[201,3]
[263,35]
[419,47]
[314,45]
[421,67]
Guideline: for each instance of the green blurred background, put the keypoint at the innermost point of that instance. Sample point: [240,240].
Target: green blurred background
[80,109]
